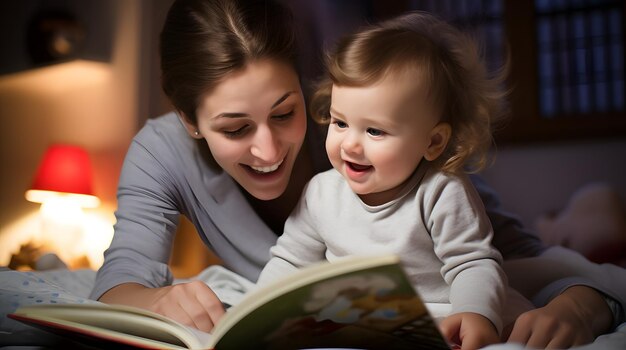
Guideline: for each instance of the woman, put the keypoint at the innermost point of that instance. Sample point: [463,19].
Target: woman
[234,160]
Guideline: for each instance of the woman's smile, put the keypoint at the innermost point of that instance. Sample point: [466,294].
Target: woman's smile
[267,169]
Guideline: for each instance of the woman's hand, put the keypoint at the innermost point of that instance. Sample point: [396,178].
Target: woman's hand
[470,330]
[193,304]
[574,317]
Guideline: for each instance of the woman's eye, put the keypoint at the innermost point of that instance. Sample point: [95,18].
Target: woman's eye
[283,116]
[236,132]
[375,132]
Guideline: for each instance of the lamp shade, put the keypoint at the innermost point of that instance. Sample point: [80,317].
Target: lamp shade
[64,170]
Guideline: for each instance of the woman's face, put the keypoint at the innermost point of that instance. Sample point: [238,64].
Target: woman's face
[254,122]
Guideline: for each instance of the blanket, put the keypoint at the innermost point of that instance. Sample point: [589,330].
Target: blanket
[73,286]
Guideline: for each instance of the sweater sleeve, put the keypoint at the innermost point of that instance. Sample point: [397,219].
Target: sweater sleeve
[544,277]
[462,235]
[147,217]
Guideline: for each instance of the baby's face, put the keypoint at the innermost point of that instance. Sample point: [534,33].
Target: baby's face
[379,134]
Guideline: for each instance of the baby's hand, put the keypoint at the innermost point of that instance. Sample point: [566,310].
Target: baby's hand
[470,330]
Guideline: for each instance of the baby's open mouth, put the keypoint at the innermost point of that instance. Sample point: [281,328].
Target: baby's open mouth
[358,167]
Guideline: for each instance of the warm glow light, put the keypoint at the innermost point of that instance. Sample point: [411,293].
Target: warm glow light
[56,78]
[63,186]
[40,196]
[96,236]
[62,209]
[62,224]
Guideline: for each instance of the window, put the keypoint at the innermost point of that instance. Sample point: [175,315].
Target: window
[567,62]
[580,57]
[484,19]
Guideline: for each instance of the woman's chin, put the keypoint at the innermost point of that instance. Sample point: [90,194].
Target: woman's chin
[266,194]
[266,186]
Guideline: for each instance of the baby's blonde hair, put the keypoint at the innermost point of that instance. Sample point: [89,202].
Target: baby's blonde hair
[450,66]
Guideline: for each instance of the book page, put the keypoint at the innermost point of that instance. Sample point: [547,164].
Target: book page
[121,320]
[361,303]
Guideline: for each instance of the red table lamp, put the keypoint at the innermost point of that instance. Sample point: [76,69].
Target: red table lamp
[65,170]
[62,185]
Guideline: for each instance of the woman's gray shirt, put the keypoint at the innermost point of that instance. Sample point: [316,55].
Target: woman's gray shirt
[164,176]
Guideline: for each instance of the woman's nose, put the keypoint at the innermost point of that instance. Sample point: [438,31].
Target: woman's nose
[266,145]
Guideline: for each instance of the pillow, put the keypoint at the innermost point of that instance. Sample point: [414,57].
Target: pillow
[593,222]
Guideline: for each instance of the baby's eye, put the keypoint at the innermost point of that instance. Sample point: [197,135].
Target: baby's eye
[340,124]
[375,132]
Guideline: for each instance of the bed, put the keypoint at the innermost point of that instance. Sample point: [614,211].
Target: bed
[62,285]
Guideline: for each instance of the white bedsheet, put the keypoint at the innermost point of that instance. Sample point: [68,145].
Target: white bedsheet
[65,286]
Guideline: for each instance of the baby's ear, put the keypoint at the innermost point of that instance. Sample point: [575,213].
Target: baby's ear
[439,137]
[192,129]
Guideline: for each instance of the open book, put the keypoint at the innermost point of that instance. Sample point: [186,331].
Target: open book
[358,302]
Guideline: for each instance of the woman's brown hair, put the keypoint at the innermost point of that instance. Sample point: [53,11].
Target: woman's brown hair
[204,40]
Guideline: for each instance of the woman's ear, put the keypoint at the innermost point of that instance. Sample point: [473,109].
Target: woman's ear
[439,137]
[191,128]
